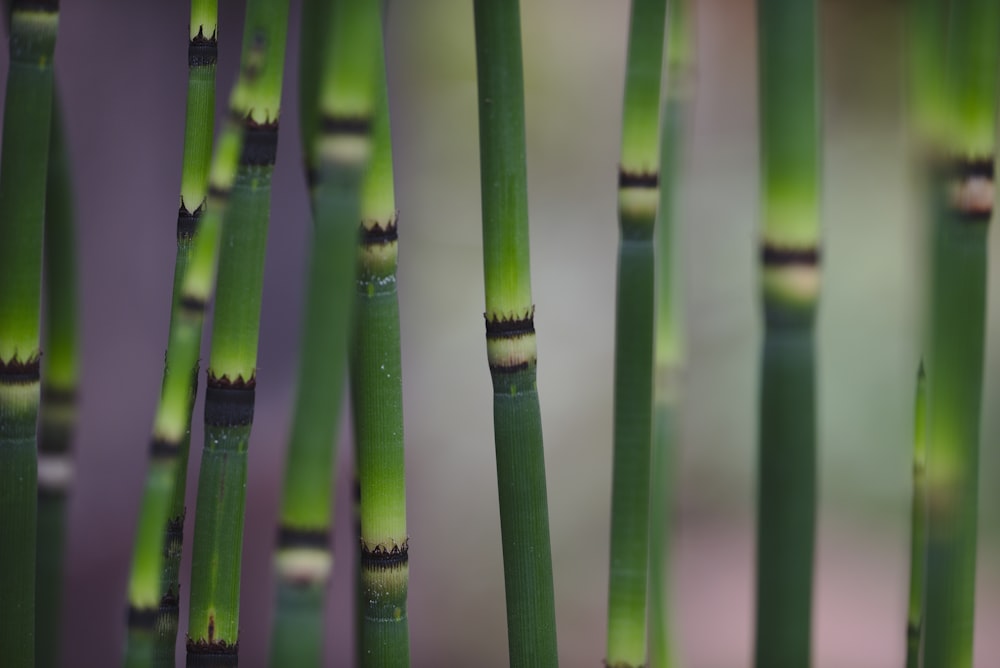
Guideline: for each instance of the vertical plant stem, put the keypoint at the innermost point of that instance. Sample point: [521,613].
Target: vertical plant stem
[338,98]
[60,378]
[790,202]
[154,593]
[915,613]
[213,625]
[377,398]
[669,328]
[510,337]
[638,198]
[23,173]
[964,208]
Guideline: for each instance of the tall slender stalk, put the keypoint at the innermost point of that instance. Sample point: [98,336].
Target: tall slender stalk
[638,199]
[60,377]
[789,256]
[964,208]
[213,625]
[377,398]
[154,590]
[918,513]
[338,106]
[23,174]
[669,352]
[511,348]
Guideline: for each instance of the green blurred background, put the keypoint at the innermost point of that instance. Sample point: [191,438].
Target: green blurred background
[122,71]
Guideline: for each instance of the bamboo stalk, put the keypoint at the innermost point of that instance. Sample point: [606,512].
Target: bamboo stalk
[377,398]
[669,351]
[964,208]
[213,625]
[60,378]
[338,98]
[638,198]
[23,174]
[790,201]
[915,612]
[510,337]
[153,595]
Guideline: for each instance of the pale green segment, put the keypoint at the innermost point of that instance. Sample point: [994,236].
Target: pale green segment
[927,24]
[789,122]
[258,91]
[171,421]
[680,42]
[378,198]
[506,260]
[144,582]
[346,88]
[641,113]
[198,136]
[972,75]
[204,16]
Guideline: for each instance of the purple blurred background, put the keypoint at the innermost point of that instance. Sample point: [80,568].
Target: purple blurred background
[122,72]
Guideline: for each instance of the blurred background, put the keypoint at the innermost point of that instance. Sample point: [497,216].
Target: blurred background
[122,71]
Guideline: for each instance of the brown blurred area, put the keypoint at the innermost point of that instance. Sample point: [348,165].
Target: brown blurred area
[122,71]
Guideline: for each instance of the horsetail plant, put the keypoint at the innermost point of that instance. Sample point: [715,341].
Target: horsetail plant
[510,337]
[23,174]
[638,199]
[154,594]
[377,398]
[918,513]
[213,624]
[59,381]
[338,97]
[669,351]
[789,256]
[963,209]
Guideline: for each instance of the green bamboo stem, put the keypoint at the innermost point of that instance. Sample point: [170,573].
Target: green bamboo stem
[669,328]
[339,90]
[964,208]
[60,377]
[918,512]
[510,337]
[790,201]
[377,398]
[154,589]
[213,625]
[23,174]
[638,199]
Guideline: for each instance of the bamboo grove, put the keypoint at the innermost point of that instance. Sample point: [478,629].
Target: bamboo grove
[329,74]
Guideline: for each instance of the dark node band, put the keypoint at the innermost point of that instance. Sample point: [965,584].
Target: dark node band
[377,235]
[175,525]
[627,179]
[229,404]
[142,618]
[312,176]
[16,372]
[971,167]
[161,448]
[51,6]
[772,255]
[290,537]
[221,648]
[193,305]
[913,631]
[509,368]
[382,559]
[510,328]
[218,193]
[203,51]
[61,397]
[170,601]
[187,221]
[973,217]
[260,143]
[358,126]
